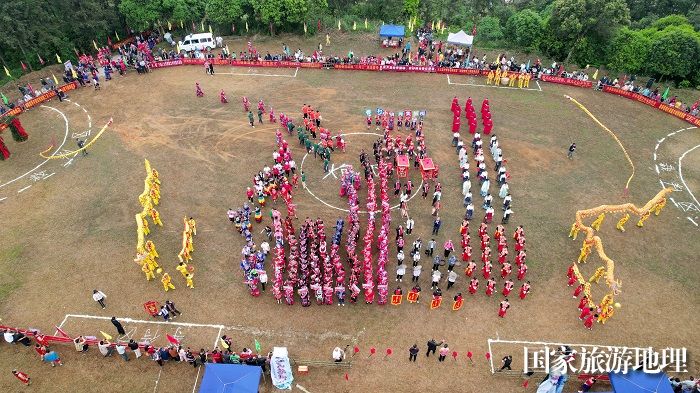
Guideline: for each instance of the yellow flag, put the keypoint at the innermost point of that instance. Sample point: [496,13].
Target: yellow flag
[170,26]
[105,335]
[339,25]
[117,35]
[55,79]
[223,343]
[177,47]
[75,74]
[595,74]
[182,25]
[365,23]
[58,58]
[354,25]
[246,26]
[432,25]
[304,27]
[202,25]
[210,32]
[227,51]
[95,45]
[7,72]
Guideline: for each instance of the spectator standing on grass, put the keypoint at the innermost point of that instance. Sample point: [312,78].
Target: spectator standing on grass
[98,296]
[432,346]
[413,353]
[172,310]
[506,362]
[572,149]
[444,351]
[121,350]
[118,325]
[202,356]
[251,119]
[134,346]
[105,348]
[436,225]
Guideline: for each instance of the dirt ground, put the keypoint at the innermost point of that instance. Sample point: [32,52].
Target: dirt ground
[73,230]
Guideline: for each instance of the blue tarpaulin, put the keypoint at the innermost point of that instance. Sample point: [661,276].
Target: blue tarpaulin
[638,381]
[392,31]
[230,378]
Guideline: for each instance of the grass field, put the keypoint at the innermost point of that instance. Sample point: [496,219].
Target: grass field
[73,229]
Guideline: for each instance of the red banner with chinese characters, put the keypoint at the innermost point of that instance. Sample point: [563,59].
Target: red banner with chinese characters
[165,63]
[566,81]
[460,71]
[655,104]
[36,101]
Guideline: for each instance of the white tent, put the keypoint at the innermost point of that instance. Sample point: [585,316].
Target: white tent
[460,38]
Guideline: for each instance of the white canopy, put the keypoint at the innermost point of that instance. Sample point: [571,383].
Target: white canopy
[460,38]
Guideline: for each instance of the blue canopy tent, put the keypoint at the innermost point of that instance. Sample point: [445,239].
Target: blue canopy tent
[230,378]
[638,381]
[392,31]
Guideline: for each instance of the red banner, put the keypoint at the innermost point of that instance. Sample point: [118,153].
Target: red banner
[566,81]
[165,63]
[36,101]
[460,71]
[655,104]
[192,61]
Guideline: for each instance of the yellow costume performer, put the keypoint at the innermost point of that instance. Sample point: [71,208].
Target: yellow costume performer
[512,77]
[585,251]
[151,248]
[189,282]
[155,216]
[659,206]
[146,268]
[574,231]
[598,221]
[643,218]
[155,196]
[497,77]
[621,224]
[182,268]
[527,80]
[599,272]
[167,284]
[193,226]
[489,77]
[146,231]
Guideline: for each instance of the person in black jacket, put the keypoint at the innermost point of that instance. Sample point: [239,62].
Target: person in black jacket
[413,353]
[432,346]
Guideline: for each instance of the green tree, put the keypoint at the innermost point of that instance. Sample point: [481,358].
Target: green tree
[141,14]
[176,10]
[574,20]
[224,11]
[628,51]
[524,28]
[674,52]
[410,7]
[489,29]
[670,20]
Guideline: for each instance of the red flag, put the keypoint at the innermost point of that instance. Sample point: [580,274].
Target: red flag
[24,67]
[469,354]
[389,351]
[61,332]
[488,355]
[40,60]
[109,41]
[527,382]
[318,25]
[474,30]
[454,354]
[346,376]
[372,351]
[172,339]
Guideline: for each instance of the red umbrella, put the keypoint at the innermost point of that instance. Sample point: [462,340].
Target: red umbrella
[389,351]
[372,351]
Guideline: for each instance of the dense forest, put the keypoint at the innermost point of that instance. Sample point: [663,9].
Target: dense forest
[659,38]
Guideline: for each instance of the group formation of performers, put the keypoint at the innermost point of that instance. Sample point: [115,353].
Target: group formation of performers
[312,130]
[521,78]
[384,120]
[590,312]
[479,161]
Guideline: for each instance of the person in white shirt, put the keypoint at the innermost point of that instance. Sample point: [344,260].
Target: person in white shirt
[105,348]
[451,278]
[265,247]
[436,278]
[121,350]
[99,297]
[400,257]
[417,269]
[400,271]
[409,225]
[338,355]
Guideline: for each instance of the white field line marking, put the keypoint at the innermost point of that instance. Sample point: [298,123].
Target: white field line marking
[24,188]
[538,85]
[157,380]
[2,199]
[258,74]
[346,210]
[52,173]
[199,369]
[493,371]
[303,389]
[498,87]
[65,136]
[249,330]
[693,221]
[680,174]
[61,325]
[499,341]
[216,339]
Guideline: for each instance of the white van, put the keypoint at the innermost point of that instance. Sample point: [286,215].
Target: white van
[197,42]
